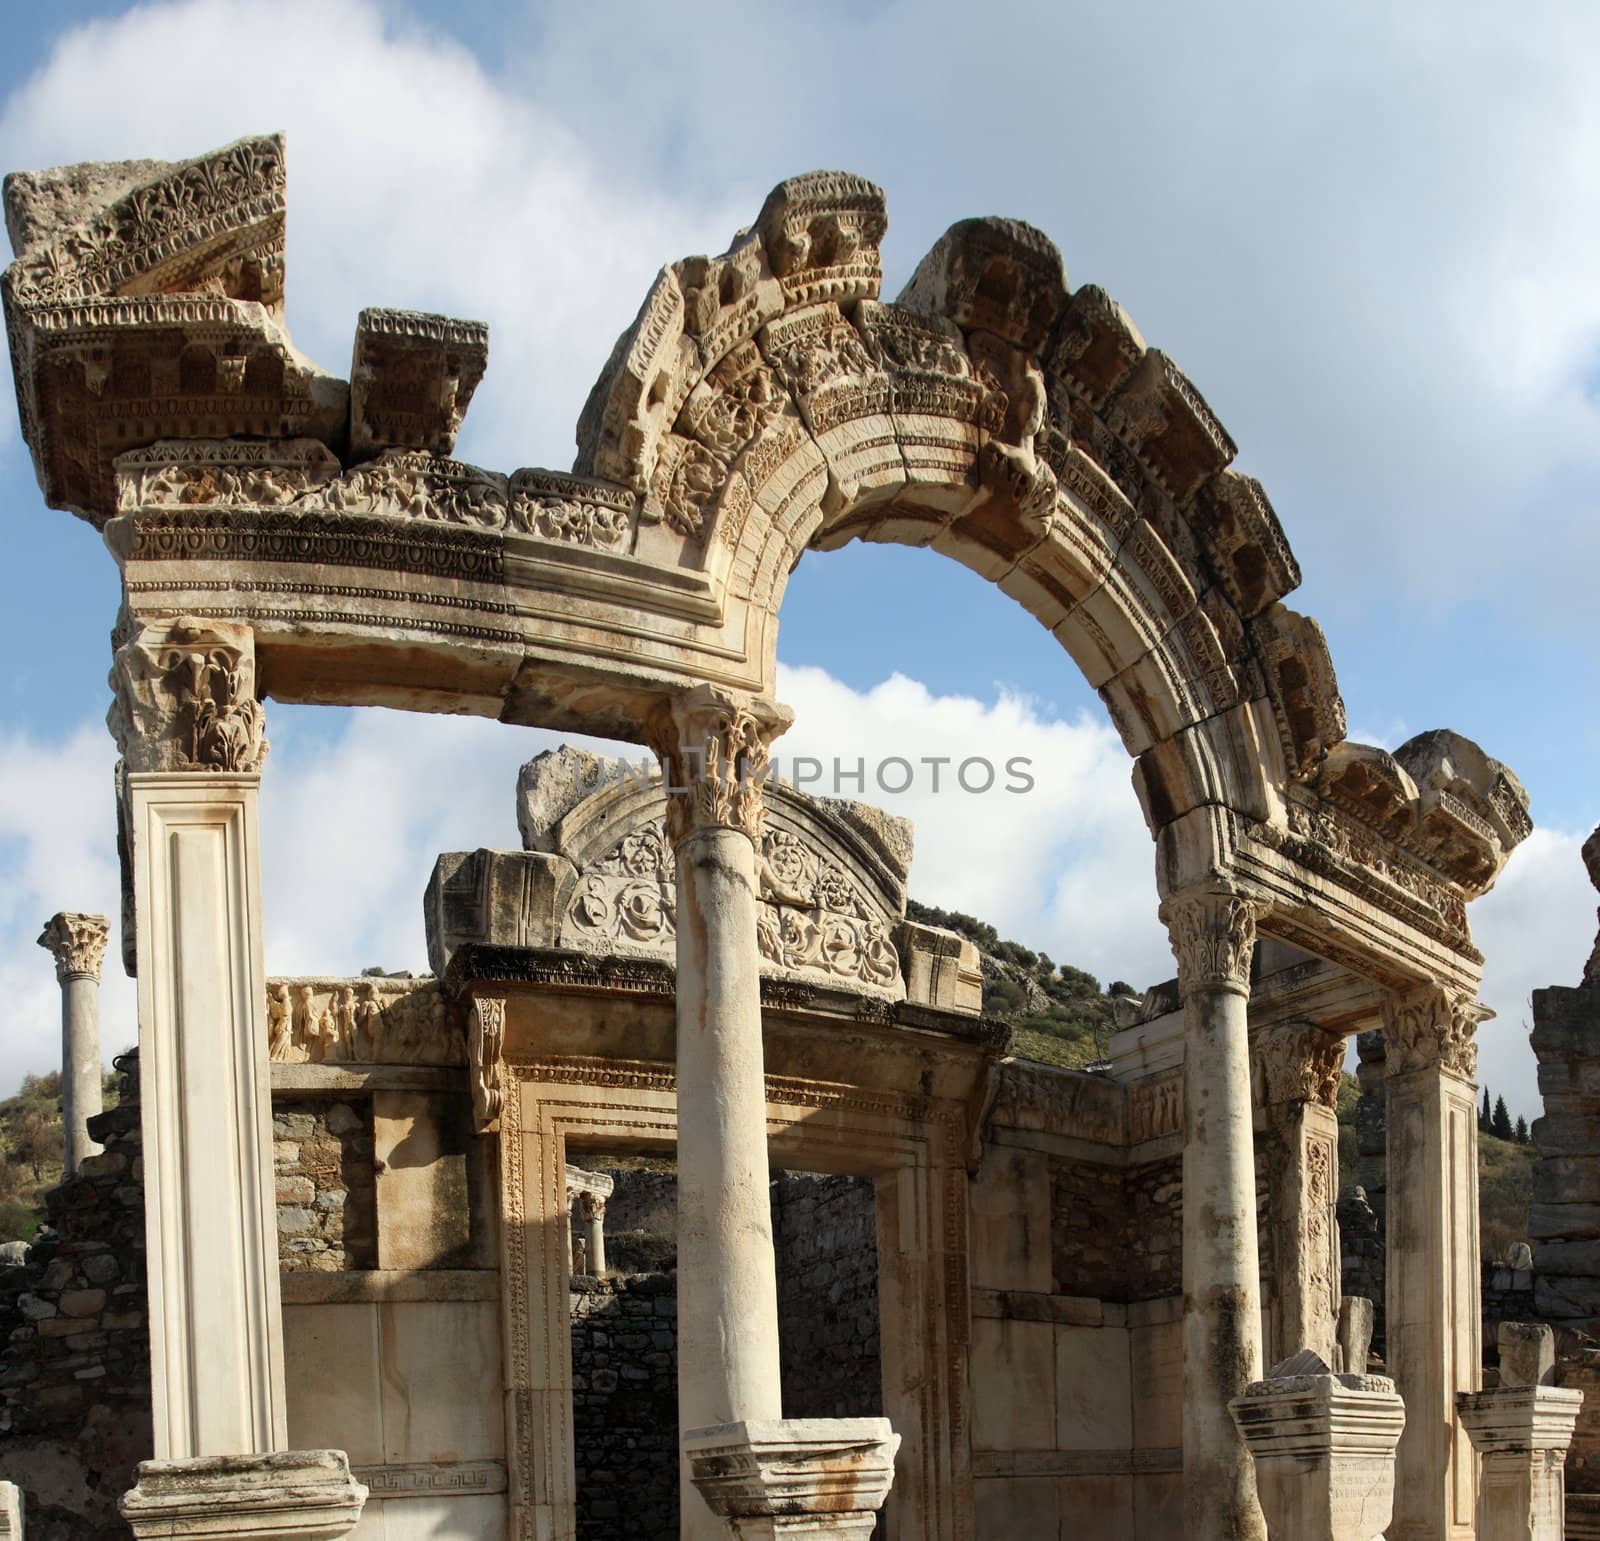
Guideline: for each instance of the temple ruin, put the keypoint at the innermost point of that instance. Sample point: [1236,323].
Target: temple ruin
[377,1290]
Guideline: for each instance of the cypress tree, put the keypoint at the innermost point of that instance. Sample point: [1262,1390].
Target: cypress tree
[1523,1137]
[1483,1112]
[1500,1126]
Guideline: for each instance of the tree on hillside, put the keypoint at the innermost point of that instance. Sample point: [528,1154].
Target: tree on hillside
[1522,1135]
[1484,1114]
[36,1140]
[1500,1124]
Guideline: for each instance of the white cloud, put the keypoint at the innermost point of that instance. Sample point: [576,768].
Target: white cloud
[415,180]
[1535,928]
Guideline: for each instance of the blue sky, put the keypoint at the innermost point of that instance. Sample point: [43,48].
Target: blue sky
[1366,234]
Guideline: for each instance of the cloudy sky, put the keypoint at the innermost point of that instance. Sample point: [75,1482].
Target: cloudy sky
[1366,231]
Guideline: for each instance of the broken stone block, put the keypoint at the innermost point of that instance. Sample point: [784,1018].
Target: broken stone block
[1527,1354]
[411,380]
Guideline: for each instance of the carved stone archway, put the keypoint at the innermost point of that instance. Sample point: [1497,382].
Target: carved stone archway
[284,534]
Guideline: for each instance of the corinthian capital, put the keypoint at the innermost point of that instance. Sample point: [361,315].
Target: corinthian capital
[715,751]
[1213,936]
[78,943]
[1299,1062]
[186,698]
[1432,1028]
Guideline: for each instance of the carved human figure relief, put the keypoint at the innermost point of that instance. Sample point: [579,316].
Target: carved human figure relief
[361,1021]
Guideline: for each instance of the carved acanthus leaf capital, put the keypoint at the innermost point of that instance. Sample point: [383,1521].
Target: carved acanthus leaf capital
[78,943]
[1213,936]
[715,751]
[1299,1062]
[486,1042]
[185,699]
[1432,1028]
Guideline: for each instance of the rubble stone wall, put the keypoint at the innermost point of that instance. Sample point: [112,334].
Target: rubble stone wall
[824,1232]
[75,1346]
[327,1196]
[625,1406]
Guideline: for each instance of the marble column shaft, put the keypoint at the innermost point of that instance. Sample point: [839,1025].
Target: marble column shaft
[1432,1256]
[78,944]
[1213,936]
[713,751]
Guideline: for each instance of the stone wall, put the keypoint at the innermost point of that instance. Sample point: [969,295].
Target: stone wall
[75,1365]
[824,1232]
[1116,1235]
[625,1406]
[327,1196]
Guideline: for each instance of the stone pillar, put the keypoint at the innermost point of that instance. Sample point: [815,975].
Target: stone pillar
[714,753]
[1213,935]
[593,1209]
[1300,1066]
[78,944]
[191,733]
[1324,1450]
[1433,1282]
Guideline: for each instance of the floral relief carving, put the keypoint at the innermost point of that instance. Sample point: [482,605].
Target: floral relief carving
[1213,936]
[1432,1028]
[486,1042]
[185,699]
[715,752]
[77,943]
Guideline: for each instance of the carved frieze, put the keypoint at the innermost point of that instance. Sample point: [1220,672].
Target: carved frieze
[1155,1107]
[1213,936]
[370,1020]
[715,752]
[185,699]
[77,943]
[1431,1028]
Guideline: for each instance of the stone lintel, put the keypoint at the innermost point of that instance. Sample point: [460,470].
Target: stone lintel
[290,1495]
[579,1181]
[795,1476]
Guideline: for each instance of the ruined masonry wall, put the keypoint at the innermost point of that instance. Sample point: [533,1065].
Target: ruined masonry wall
[327,1193]
[625,1406]
[75,1347]
[824,1231]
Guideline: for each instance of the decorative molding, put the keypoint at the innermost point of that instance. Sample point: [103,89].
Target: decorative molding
[186,699]
[486,1042]
[715,751]
[1213,936]
[78,944]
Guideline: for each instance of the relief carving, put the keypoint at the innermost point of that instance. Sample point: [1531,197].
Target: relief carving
[715,753]
[78,944]
[367,1021]
[1299,1063]
[1155,1108]
[811,918]
[1432,1028]
[185,699]
[486,1042]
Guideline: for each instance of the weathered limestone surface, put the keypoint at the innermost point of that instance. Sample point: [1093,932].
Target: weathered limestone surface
[1323,1446]
[12,1511]
[78,944]
[300,1495]
[766,401]
[816,1477]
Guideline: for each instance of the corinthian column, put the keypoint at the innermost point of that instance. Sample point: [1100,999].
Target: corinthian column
[191,733]
[1213,935]
[1432,1255]
[714,754]
[78,944]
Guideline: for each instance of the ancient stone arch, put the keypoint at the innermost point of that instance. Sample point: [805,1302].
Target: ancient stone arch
[284,534]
